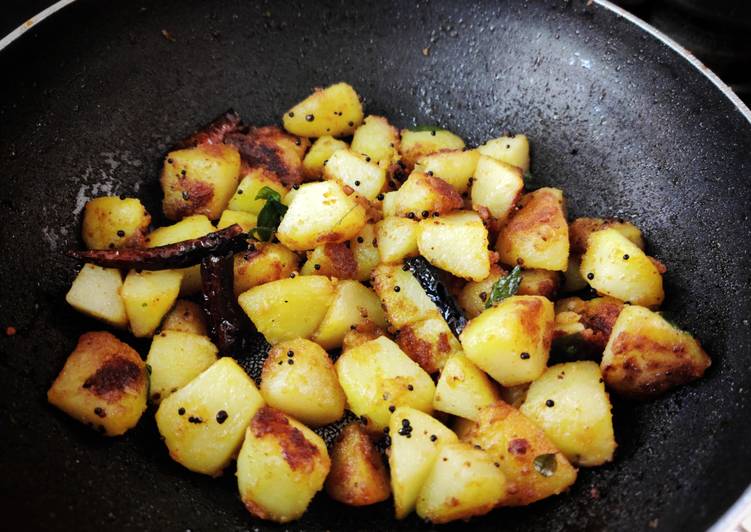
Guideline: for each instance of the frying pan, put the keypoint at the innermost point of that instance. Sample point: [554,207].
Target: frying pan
[620,119]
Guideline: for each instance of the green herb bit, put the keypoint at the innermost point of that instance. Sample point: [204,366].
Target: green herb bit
[271,214]
[504,287]
[546,464]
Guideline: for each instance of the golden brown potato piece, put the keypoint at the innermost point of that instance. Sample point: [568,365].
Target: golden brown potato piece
[272,149]
[199,180]
[539,283]
[362,333]
[315,160]
[365,248]
[429,342]
[114,222]
[646,355]
[331,260]
[103,384]
[536,236]
[534,467]
[358,476]
[422,195]
[185,316]
[263,264]
[582,328]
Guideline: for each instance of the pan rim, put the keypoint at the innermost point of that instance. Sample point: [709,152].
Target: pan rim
[735,512]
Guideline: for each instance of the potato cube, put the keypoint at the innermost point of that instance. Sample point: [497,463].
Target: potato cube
[358,476]
[463,482]
[176,358]
[455,167]
[536,236]
[646,355]
[377,139]
[203,422]
[281,466]
[457,243]
[199,180]
[463,389]
[148,296]
[511,341]
[429,342]
[186,229]
[511,149]
[335,110]
[318,155]
[533,466]
[244,198]
[331,260]
[185,316]
[353,304]
[288,308]
[616,267]
[580,229]
[96,292]
[421,195]
[583,327]
[114,222]
[274,152]
[377,375]
[539,283]
[320,213]
[365,250]
[416,440]
[365,332]
[397,238]
[389,204]
[402,296]
[263,264]
[103,384]
[299,379]
[364,177]
[474,294]
[244,219]
[496,186]
[570,404]
[419,142]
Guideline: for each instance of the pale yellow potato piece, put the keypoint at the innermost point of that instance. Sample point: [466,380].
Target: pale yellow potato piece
[318,155]
[148,297]
[457,243]
[267,262]
[570,404]
[244,219]
[420,196]
[416,144]
[353,304]
[377,139]
[185,316]
[299,379]
[320,213]
[509,149]
[402,296]
[244,198]
[288,308]
[455,167]
[335,110]
[96,292]
[203,422]
[464,482]
[616,267]
[511,341]
[377,375]
[365,177]
[496,186]
[365,251]
[463,389]
[175,359]
[411,458]
[397,238]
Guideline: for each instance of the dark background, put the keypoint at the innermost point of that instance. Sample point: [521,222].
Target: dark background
[716,31]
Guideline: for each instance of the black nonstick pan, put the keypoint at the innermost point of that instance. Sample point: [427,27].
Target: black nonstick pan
[92,97]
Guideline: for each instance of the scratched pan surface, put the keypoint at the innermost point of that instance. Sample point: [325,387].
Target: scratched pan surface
[91,98]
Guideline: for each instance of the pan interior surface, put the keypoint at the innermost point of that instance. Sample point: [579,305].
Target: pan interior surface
[94,96]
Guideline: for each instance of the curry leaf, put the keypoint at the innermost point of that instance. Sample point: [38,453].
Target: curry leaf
[418,129]
[271,214]
[504,287]
[546,464]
